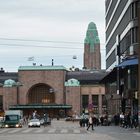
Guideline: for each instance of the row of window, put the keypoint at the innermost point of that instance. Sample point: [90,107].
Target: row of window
[95,101]
[134,10]
[130,39]
[128,43]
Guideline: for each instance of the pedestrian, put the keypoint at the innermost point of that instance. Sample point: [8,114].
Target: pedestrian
[90,123]
[34,115]
[45,119]
[122,119]
[102,120]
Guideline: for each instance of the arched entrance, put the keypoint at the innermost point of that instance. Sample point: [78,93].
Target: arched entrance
[41,98]
[41,94]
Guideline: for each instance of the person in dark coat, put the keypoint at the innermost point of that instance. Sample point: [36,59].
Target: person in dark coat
[90,123]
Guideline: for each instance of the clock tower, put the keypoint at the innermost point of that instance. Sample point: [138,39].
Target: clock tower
[92,55]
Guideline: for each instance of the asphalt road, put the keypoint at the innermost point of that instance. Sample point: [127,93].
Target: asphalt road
[61,130]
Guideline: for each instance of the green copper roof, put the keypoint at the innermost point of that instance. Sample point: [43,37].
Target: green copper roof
[9,83]
[41,68]
[92,36]
[91,25]
[72,82]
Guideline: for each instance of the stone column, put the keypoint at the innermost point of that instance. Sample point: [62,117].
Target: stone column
[9,97]
[100,104]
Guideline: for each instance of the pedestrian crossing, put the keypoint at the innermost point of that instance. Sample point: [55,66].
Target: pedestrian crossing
[137,134]
[51,130]
[42,130]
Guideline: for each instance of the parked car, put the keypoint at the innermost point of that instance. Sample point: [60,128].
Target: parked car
[34,123]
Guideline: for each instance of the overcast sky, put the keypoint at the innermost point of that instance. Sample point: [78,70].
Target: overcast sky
[48,29]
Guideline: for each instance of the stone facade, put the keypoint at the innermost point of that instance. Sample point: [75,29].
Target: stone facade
[73,97]
[41,82]
[94,90]
[9,97]
[55,79]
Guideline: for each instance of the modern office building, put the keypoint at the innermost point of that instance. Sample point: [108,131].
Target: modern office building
[122,55]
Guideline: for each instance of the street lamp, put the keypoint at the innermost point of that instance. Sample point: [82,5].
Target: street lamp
[51,90]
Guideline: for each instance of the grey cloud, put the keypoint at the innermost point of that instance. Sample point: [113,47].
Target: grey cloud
[35,19]
[62,9]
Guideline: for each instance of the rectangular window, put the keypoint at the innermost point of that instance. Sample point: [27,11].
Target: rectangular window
[104,102]
[134,35]
[95,100]
[85,101]
[95,104]
[134,10]
[125,43]
[134,78]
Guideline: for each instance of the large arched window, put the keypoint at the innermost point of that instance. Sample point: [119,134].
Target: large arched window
[41,94]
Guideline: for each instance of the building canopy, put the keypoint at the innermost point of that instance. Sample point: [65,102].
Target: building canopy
[112,75]
[41,106]
[128,62]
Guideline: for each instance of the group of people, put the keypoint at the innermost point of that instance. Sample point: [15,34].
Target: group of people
[126,120]
[92,120]
[88,121]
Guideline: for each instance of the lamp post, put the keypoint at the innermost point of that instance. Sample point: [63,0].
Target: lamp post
[118,68]
[119,91]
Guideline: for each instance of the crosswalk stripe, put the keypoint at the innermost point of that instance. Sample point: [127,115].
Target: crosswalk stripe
[136,133]
[14,131]
[64,131]
[76,131]
[27,130]
[4,130]
[51,130]
[39,131]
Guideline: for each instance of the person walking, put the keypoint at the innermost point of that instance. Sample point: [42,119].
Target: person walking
[122,119]
[45,119]
[90,123]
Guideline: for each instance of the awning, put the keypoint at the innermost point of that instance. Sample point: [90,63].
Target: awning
[40,106]
[128,62]
[112,76]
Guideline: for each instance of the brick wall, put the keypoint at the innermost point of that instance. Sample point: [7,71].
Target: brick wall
[9,97]
[55,79]
[73,98]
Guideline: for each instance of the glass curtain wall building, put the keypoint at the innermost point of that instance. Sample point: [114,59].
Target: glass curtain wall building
[122,54]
